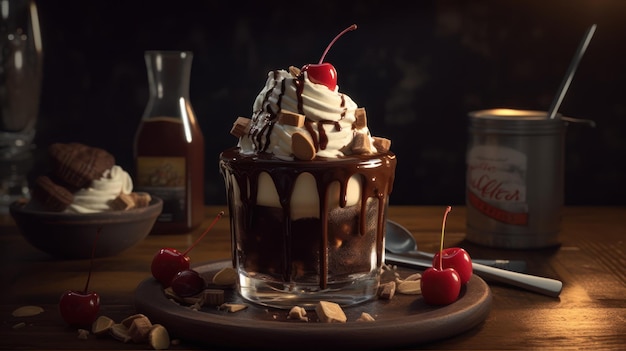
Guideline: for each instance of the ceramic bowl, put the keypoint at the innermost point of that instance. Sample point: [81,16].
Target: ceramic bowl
[71,235]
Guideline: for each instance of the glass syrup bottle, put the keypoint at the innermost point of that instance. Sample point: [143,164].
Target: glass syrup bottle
[169,146]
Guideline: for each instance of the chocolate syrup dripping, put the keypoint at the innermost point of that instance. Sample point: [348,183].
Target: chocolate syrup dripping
[260,137]
[343,105]
[299,83]
[377,183]
[308,125]
[322,132]
[284,183]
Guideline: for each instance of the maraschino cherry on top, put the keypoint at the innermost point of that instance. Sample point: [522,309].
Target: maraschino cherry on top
[323,72]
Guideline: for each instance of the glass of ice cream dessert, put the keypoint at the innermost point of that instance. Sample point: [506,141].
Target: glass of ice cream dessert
[308,189]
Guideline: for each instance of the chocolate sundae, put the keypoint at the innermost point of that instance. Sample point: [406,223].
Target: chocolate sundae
[307,188]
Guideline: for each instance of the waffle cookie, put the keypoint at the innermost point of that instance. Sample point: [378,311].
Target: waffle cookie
[50,195]
[77,165]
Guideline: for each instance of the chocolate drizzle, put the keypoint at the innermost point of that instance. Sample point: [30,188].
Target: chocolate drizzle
[247,223]
[263,121]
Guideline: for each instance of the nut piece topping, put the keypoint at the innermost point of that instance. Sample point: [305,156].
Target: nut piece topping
[241,127]
[330,312]
[302,146]
[382,144]
[122,202]
[361,118]
[142,199]
[291,118]
[295,71]
[361,144]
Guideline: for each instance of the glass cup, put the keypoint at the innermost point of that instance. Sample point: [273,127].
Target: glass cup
[20,85]
[305,231]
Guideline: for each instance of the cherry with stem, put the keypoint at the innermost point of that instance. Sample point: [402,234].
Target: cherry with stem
[80,308]
[168,261]
[324,73]
[441,286]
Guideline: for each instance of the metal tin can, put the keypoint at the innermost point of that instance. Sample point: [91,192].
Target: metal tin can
[514,178]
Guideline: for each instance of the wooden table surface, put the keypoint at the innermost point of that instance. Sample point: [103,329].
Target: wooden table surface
[589,314]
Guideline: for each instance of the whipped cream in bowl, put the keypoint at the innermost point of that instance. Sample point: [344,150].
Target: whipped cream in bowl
[98,196]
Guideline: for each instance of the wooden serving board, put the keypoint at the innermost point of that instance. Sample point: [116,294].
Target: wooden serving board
[402,321]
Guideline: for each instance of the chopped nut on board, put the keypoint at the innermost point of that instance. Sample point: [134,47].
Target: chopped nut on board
[101,325]
[233,307]
[213,297]
[410,287]
[158,337]
[27,311]
[365,317]
[83,334]
[387,291]
[298,313]
[139,329]
[330,312]
[129,320]
[120,332]
[225,276]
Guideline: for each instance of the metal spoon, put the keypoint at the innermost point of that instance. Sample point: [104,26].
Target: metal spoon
[399,240]
[582,47]
[546,286]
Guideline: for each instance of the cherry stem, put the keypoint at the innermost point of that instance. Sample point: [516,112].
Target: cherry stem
[351,28]
[219,215]
[443,229]
[93,254]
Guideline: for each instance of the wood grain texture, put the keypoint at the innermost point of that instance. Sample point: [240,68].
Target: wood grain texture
[590,313]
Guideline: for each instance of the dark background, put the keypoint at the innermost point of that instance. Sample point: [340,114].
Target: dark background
[417,67]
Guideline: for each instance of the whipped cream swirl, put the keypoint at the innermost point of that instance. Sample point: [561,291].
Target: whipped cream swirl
[101,192]
[330,117]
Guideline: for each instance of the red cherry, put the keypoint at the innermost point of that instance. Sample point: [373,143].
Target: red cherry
[167,262]
[440,286]
[322,73]
[79,308]
[188,283]
[325,73]
[457,258]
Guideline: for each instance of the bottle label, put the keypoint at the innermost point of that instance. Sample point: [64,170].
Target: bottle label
[496,183]
[164,177]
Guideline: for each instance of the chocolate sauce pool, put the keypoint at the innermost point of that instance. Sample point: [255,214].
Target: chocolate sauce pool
[266,240]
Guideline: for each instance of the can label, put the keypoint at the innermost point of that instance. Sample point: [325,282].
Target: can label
[496,183]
